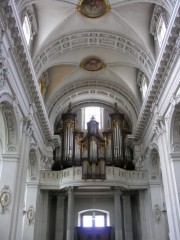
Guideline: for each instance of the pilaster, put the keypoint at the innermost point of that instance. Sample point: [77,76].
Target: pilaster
[17,219]
[118,214]
[127,217]
[59,218]
[70,214]
[10,164]
[170,188]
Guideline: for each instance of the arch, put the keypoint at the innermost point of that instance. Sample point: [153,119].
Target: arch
[84,91]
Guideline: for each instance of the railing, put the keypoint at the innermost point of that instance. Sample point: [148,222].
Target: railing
[114,177]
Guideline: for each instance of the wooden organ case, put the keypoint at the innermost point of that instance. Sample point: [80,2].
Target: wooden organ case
[93,150]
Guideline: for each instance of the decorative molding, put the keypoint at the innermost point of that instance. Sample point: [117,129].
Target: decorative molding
[165,65]
[108,39]
[30,214]
[46,163]
[21,55]
[94,9]
[114,177]
[28,126]
[159,126]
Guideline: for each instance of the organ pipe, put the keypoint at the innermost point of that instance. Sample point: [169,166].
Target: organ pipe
[94,150]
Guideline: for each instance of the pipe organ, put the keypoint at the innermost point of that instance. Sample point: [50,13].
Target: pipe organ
[93,150]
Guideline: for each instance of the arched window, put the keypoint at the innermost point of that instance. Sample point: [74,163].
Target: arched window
[27,29]
[94,218]
[92,111]
[29,24]
[161,30]
[158,26]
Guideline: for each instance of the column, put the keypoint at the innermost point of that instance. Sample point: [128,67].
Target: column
[70,215]
[127,217]
[59,217]
[42,215]
[145,215]
[118,214]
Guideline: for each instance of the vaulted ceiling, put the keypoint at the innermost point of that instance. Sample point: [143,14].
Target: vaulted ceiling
[120,38]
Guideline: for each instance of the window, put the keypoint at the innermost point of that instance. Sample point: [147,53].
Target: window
[161,30]
[93,219]
[158,26]
[144,87]
[89,112]
[27,29]
[29,24]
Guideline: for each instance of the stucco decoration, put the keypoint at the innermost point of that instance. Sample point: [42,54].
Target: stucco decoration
[5,198]
[93,8]
[30,214]
[92,63]
[157,213]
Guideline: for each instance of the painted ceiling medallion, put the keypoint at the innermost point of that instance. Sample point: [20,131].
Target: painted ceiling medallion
[92,63]
[93,8]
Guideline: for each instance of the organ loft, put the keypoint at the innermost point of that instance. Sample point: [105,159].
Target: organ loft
[93,149]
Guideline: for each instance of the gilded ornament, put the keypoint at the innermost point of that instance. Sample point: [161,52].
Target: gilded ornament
[92,63]
[93,8]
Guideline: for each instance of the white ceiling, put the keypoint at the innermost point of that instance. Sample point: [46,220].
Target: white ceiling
[120,38]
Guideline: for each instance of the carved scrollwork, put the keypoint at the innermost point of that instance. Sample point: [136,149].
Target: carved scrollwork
[159,126]
[28,126]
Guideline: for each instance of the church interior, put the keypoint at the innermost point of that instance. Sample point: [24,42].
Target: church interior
[89,119]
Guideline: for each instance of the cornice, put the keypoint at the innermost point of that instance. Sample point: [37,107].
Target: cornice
[167,59]
[21,53]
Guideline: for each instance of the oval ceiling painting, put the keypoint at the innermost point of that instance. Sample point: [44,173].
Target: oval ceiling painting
[92,63]
[93,8]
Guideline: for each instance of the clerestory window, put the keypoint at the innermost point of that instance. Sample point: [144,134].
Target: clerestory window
[29,24]
[27,29]
[92,111]
[161,30]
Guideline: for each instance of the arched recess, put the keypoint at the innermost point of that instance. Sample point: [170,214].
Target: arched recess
[33,165]
[154,166]
[11,128]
